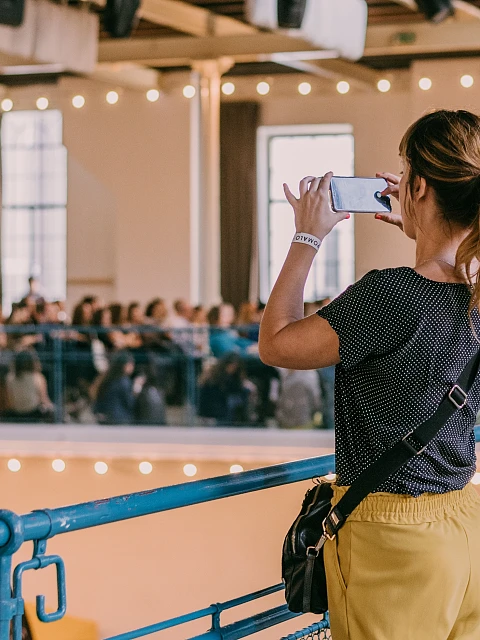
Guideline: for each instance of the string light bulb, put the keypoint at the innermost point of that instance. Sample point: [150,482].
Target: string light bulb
[190,470]
[236,468]
[228,88]
[145,468]
[466,81]
[425,84]
[153,95]
[343,87]
[42,103]
[383,85]
[304,88]
[58,465]
[101,468]
[263,88]
[189,91]
[6,104]
[112,97]
[14,465]
[78,102]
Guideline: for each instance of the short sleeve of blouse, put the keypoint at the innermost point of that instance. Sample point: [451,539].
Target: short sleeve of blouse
[370,317]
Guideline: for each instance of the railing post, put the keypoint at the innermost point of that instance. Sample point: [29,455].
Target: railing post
[57,379]
[6,609]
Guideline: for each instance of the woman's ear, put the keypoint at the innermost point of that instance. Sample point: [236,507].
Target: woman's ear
[420,188]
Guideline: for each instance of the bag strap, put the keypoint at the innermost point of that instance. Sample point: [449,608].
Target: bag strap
[411,445]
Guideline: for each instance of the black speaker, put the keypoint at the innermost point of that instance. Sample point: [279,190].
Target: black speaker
[435,10]
[119,17]
[11,12]
[290,13]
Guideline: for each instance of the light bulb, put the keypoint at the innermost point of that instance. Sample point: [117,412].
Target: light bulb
[101,468]
[58,465]
[7,104]
[78,102]
[112,97]
[145,468]
[304,88]
[153,95]
[383,85]
[343,87]
[263,88]
[189,91]
[425,84]
[14,465]
[236,468]
[42,104]
[466,81]
[190,470]
[228,88]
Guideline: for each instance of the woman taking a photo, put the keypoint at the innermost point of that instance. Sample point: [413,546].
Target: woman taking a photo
[407,562]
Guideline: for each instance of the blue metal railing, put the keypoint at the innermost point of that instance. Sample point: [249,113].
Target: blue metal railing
[39,526]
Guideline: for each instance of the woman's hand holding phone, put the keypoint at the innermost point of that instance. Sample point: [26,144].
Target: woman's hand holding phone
[313,213]
[393,189]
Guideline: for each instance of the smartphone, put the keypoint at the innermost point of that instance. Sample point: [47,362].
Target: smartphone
[359,195]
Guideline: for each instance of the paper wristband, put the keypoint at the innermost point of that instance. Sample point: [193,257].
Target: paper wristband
[307,238]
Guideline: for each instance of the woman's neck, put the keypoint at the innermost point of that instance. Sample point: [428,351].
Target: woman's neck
[436,252]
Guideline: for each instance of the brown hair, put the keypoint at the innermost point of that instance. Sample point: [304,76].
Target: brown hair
[443,147]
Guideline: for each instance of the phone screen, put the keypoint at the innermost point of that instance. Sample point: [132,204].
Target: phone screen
[359,195]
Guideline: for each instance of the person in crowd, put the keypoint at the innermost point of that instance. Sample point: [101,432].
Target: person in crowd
[118,314]
[225,394]
[156,312]
[33,294]
[181,318]
[298,400]
[150,405]
[46,313]
[115,399]
[248,321]
[21,315]
[199,316]
[400,338]
[201,334]
[27,395]
[135,317]
[224,339]
[112,338]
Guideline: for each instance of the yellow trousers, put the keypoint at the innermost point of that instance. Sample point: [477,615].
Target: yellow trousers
[405,568]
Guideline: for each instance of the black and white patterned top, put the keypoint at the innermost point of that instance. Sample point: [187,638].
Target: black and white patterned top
[404,340]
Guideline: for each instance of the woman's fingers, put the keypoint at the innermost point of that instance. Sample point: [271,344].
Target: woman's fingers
[390,218]
[289,195]
[304,184]
[389,177]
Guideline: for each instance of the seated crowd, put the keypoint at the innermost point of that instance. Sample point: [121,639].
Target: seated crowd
[127,364]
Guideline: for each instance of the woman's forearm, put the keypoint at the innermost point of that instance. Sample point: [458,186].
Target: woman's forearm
[285,304]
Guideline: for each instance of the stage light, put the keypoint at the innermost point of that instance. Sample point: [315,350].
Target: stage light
[189,91]
[304,88]
[14,465]
[425,84]
[190,470]
[384,85]
[145,468]
[58,465]
[78,102]
[228,88]
[263,88]
[112,97]
[153,95]
[42,104]
[343,87]
[435,10]
[101,468]
[6,104]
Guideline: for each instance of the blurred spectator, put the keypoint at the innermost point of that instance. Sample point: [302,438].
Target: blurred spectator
[225,392]
[299,399]
[118,313]
[199,315]
[156,312]
[113,339]
[27,396]
[135,315]
[150,407]
[181,316]
[249,321]
[33,295]
[115,400]
[223,339]
[82,314]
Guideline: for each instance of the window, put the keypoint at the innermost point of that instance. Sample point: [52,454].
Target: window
[34,197]
[287,154]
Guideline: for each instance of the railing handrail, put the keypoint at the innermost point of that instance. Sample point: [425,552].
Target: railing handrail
[43,524]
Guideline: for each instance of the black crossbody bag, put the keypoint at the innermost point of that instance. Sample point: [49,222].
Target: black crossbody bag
[303,568]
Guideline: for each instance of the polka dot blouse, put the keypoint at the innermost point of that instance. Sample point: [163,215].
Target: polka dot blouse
[404,340]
